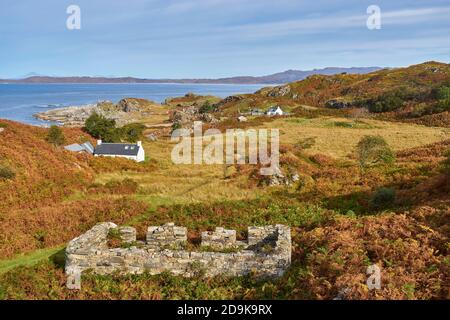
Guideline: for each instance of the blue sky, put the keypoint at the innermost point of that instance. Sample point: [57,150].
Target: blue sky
[216,38]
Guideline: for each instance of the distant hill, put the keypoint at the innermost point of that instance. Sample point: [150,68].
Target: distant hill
[403,93]
[277,78]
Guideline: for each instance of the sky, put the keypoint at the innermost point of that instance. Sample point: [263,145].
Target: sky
[216,38]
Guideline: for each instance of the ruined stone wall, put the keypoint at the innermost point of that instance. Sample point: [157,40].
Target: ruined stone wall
[267,252]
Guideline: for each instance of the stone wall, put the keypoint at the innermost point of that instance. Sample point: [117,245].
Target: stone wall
[219,239]
[267,253]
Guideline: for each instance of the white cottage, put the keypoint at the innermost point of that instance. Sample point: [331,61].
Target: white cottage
[121,150]
[275,111]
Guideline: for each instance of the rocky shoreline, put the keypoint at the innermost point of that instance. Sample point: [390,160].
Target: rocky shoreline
[73,116]
[125,111]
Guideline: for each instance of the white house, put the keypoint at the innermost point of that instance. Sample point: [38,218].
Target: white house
[275,111]
[121,150]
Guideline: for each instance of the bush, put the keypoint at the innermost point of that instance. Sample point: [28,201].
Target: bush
[373,150]
[443,97]
[55,136]
[207,107]
[132,132]
[103,128]
[100,127]
[6,173]
[386,103]
[443,93]
[383,198]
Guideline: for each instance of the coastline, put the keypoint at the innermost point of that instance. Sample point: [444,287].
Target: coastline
[21,101]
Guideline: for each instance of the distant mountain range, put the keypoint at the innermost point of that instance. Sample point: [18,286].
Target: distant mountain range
[277,78]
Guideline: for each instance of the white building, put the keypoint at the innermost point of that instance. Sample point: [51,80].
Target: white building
[121,150]
[275,111]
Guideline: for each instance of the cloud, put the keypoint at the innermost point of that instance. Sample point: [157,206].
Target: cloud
[334,23]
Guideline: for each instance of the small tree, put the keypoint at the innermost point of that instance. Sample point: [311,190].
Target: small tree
[100,127]
[373,150]
[55,136]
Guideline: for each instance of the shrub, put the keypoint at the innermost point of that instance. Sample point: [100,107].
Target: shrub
[443,93]
[55,136]
[387,102]
[443,96]
[100,127]
[132,132]
[6,173]
[207,107]
[373,150]
[383,198]
[103,128]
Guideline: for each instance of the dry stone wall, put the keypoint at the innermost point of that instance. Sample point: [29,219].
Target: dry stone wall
[267,253]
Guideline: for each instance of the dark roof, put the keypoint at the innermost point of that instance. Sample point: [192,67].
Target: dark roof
[123,149]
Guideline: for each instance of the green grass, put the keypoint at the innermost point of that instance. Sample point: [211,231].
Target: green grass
[29,259]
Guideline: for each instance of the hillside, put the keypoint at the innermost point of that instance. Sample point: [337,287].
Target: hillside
[36,185]
[411,92]
[277,78]
[345,215]
[337,230]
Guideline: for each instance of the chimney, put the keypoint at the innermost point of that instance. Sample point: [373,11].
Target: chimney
[139,143]
[99,142]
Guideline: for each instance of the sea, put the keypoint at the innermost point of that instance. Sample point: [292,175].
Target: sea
[19,102]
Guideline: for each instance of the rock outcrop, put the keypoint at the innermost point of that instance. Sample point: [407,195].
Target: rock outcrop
[185,117]
[125,111]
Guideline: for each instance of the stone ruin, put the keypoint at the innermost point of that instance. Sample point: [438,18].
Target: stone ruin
[265,254]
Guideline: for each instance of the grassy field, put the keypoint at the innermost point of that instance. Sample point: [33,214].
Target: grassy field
[336,233]
[336,139]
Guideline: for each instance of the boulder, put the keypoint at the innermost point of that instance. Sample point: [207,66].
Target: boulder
[207,117]
[151,137]
[128,105]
